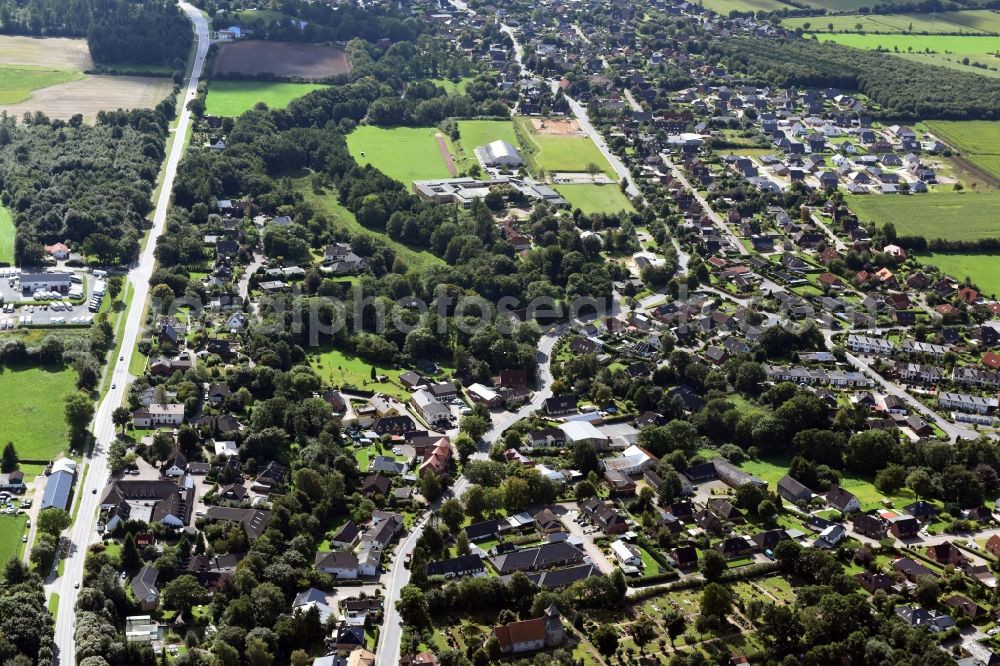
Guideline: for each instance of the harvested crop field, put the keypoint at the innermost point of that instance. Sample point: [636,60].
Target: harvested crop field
[46,52]
[306,61]
[94,93]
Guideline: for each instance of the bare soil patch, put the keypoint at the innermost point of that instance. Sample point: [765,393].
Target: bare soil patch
[306,61]
[556,126]
[95,93]
[46,52]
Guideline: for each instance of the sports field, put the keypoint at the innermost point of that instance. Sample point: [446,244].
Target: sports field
[33,409]
[403,153]
[341,218]
[948,215]
[563,152]
[973,22]
[474,133]
[592,198]
[232,98]
[6,236]
[983,269]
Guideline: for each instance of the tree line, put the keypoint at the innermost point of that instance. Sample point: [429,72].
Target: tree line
[147,32]
[901,89]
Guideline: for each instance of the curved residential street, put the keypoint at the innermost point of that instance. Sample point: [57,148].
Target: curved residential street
[398,576]
[83,530]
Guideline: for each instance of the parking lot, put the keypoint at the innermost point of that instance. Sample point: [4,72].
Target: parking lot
[43,308]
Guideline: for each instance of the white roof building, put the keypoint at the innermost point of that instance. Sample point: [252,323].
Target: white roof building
[498,153]
[581,431]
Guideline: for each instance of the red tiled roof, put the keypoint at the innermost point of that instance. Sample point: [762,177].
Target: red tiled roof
[520,632]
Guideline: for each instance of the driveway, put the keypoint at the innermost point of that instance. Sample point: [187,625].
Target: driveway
[587,533]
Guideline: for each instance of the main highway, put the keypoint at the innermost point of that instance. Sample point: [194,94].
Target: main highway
[84,529]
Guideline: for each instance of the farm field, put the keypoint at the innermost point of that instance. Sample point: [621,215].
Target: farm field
[403,153]
[33,409]
[842,6]
[723,7]
[973,22]
[92,94]
[232,98]
[593,198]
[563,152]
[6,236]
[307,61]
[983,269]
[978,141]
[17,82]
[52,53]
[962,216]
[943,50]
[344,219]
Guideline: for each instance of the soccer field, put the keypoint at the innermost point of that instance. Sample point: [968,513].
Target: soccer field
[404,153]
[558,152]
[947,215]
[232,98]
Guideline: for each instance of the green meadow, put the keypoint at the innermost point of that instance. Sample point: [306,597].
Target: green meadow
[232,98]
[956,215]
[18,81]
[33,409]
[6,236]
[982,269]
[973,22]
[977,140]
[592,198]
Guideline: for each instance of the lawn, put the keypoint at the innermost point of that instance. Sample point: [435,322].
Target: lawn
[6,236]
[983,269]
[346,370]
[977,140]
[404,153]
[974,22]
[453,87]
[570,153]
[232,98]
[342,218]
[33,409]
[965,215]
[17,82]
[11,530]
[592,198]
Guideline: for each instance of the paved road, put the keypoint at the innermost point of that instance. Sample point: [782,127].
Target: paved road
[715,217]
[632,101]
[518,49]
[819,222]
[392,625]
[83,531]
[584,121]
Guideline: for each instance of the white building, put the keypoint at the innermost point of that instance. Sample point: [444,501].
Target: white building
[626,553]
[499,154]
[158,415]
[583,431]
[429,408]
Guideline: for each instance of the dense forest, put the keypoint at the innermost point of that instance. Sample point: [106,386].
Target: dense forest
[117,31]
[87,185]
[25,622]
[903,89]
[298,21]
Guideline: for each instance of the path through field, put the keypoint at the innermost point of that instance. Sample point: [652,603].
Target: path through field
[446,155]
